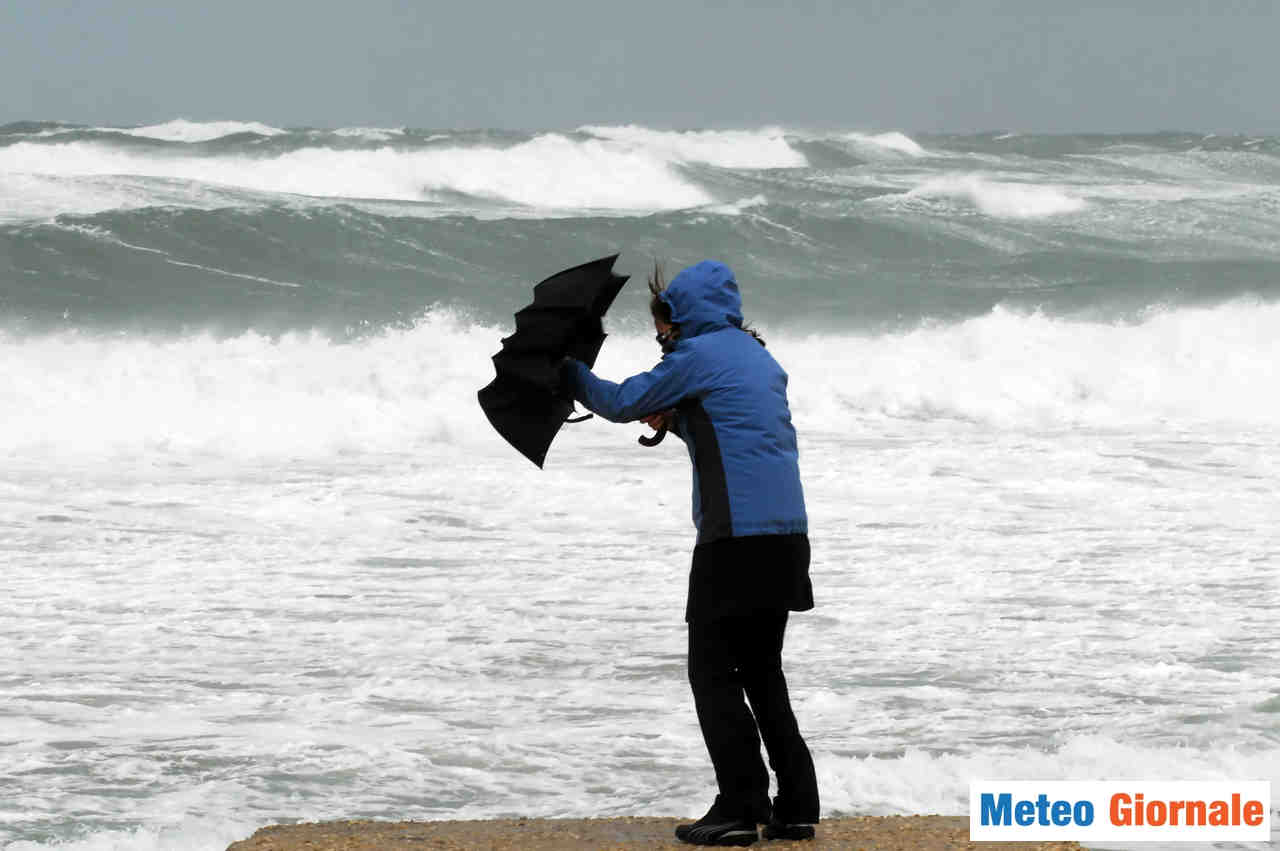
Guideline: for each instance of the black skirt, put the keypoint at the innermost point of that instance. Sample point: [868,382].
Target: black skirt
[748,575]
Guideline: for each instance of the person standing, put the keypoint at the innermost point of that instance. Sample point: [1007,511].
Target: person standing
[723,394]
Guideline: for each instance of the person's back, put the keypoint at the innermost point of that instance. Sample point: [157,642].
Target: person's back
[738,429]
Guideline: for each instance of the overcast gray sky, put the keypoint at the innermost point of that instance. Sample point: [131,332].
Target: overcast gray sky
[916,66]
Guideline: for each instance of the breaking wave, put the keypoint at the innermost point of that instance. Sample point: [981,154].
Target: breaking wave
[550,171]
[176,224]
[1002,199]
[1178,367]
[893,141]
[308,395]
[766,148]
[181,130]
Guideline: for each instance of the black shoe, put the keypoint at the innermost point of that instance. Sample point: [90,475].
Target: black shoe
[717,829]
[778,830]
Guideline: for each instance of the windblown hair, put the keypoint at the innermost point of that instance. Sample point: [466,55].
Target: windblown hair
[657,283]
[661,311]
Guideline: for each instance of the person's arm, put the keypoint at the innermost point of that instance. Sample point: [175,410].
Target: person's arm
[663,422]
[656,390]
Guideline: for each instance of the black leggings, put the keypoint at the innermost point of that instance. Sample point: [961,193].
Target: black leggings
[730,657]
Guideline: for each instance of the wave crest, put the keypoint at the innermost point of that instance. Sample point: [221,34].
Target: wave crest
[1002,199]
[893,141]
[305,395]
[1016,370]
[764,148]
[182,130]
[301,395]
[550,172]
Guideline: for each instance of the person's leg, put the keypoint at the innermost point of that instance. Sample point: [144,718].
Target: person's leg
[728,727]
[766,688]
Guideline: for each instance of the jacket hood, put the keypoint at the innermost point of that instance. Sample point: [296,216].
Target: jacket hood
[704,298]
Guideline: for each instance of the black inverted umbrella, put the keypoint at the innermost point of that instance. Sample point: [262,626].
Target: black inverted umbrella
[526,403]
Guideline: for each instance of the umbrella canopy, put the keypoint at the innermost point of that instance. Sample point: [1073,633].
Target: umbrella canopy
[525,402]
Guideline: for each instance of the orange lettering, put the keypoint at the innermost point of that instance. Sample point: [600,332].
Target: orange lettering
[1120,810]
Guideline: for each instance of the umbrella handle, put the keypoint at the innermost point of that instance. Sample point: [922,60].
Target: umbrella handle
[655,440]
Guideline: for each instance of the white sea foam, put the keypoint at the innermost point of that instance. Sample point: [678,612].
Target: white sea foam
[160,834]
[303,395]
[763,148]
[297,579]
[252,579]
[1161,192]
[894,141]
[1000,198]
[182,130]
[921,782]
[550,172]
[1178,367]
[373,134]
[913,783]
[737,208]
[616,170]
[1244,168]
[25,196]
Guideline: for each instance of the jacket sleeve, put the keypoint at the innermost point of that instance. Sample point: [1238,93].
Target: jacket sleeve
[656,390]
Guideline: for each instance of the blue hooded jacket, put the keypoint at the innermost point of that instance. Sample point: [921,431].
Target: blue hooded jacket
[730,397]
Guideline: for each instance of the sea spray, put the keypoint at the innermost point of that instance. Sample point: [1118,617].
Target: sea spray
[308,395]
[265,560]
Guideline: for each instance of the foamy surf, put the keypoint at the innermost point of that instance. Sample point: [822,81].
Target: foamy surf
[1002,199]
[745,149]
[265,559]
[893,141]
[1175,368]
[182,130]
[189,833]
[551,172]
[308,395]
[924,782]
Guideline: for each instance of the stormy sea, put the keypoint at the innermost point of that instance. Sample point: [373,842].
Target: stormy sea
[263,559]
